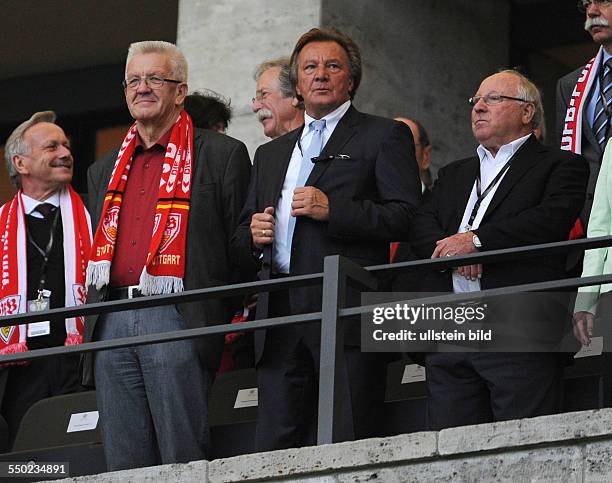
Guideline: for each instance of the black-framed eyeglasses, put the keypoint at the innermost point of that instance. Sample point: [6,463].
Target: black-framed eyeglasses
[152,81]
[493,98]
[583,5]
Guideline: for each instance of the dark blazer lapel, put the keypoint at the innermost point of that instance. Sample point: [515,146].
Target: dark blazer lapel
[344,131]
[522,161]
[464,182]
[277,173]
[587,131]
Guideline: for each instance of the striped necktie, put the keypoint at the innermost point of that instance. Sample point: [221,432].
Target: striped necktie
[602,119]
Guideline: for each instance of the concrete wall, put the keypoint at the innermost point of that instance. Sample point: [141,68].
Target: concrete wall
[573,447]
[422,58]
[225,39]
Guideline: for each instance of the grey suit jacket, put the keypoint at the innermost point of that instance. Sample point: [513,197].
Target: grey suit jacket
[221,172]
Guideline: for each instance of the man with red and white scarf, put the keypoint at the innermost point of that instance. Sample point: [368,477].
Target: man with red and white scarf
[584,116]
[583,120]
[165,205]
[46,238]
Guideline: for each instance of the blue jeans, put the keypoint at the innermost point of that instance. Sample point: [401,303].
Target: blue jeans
[152,399]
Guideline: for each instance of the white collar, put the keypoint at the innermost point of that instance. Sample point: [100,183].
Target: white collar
[30,204]
[331,120]
[507,149]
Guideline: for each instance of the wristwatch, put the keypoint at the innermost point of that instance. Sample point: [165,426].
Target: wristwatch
[476,241]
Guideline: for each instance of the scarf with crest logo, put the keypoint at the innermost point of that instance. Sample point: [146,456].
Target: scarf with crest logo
[165,264]
[13,252]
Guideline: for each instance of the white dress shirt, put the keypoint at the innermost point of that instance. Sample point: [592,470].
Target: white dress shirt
[490,166]
[282,252]
[30,204]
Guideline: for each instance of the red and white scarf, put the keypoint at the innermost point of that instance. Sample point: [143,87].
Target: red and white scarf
[13,251]
[165,265]
[571,138]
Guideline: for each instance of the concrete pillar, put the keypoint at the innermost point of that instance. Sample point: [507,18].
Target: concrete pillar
[421,58]
[224,40]
[424,58]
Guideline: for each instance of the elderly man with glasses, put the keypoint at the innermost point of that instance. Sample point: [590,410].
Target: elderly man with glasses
[515,192]
[165,204]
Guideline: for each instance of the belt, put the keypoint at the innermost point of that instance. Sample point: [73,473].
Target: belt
[120,293]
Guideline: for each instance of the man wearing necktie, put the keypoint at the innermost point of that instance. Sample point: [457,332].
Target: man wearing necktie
[48,237]
[346,183]
[515,192]
[584,107]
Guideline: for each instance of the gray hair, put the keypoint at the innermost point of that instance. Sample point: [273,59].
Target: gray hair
[178,62]
[528,90]
[283,75]
[15,144]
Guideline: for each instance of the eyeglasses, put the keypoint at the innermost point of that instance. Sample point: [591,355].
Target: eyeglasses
[583,5]
[260,97]
[152,81]
[493,98]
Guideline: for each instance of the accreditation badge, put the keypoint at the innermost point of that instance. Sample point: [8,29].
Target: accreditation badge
[39,304]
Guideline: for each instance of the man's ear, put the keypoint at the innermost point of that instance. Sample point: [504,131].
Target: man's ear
[18,163]
[181,94]
[528,113]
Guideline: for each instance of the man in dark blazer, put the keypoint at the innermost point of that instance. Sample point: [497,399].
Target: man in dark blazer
[529,194]
[359,195]
[597,23]
[153,399]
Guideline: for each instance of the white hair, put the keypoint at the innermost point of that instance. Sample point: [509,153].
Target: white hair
[178,62]
[15,144]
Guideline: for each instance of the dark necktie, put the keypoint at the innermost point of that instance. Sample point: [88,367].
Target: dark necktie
[602,119]
[45,209]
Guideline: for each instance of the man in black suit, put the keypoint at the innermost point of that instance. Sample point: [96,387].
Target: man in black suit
[347,183]
[528,194]
[153,399]
[580,107]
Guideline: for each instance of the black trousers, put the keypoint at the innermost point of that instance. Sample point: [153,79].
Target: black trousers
[481,387]
[41,378]
[288,375]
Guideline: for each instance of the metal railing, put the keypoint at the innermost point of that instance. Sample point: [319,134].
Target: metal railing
[338,273]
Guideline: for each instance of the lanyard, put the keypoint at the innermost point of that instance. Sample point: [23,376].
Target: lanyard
[481,196]
[602,95]
[44,253]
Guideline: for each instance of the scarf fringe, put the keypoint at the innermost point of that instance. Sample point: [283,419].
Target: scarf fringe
[98,273]
[73,339]
[155,285]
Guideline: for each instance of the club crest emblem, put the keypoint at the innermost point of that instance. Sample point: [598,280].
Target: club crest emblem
[109,225]
[171,231]
[6,333]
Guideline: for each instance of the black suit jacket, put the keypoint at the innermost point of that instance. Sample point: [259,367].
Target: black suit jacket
[221,170]
[591,151]
[537,201]
[372,196]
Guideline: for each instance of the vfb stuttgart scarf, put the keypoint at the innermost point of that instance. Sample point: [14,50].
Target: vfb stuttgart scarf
[13,250]
[165,265]
[571,138]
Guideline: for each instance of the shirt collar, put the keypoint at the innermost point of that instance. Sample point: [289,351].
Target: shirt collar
[507,150]
[331,120]
[162,142]
[30,204]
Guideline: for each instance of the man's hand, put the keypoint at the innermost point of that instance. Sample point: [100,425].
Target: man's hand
[262,228]
[459,244]
[310,201]
[471,272]
[583,327]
